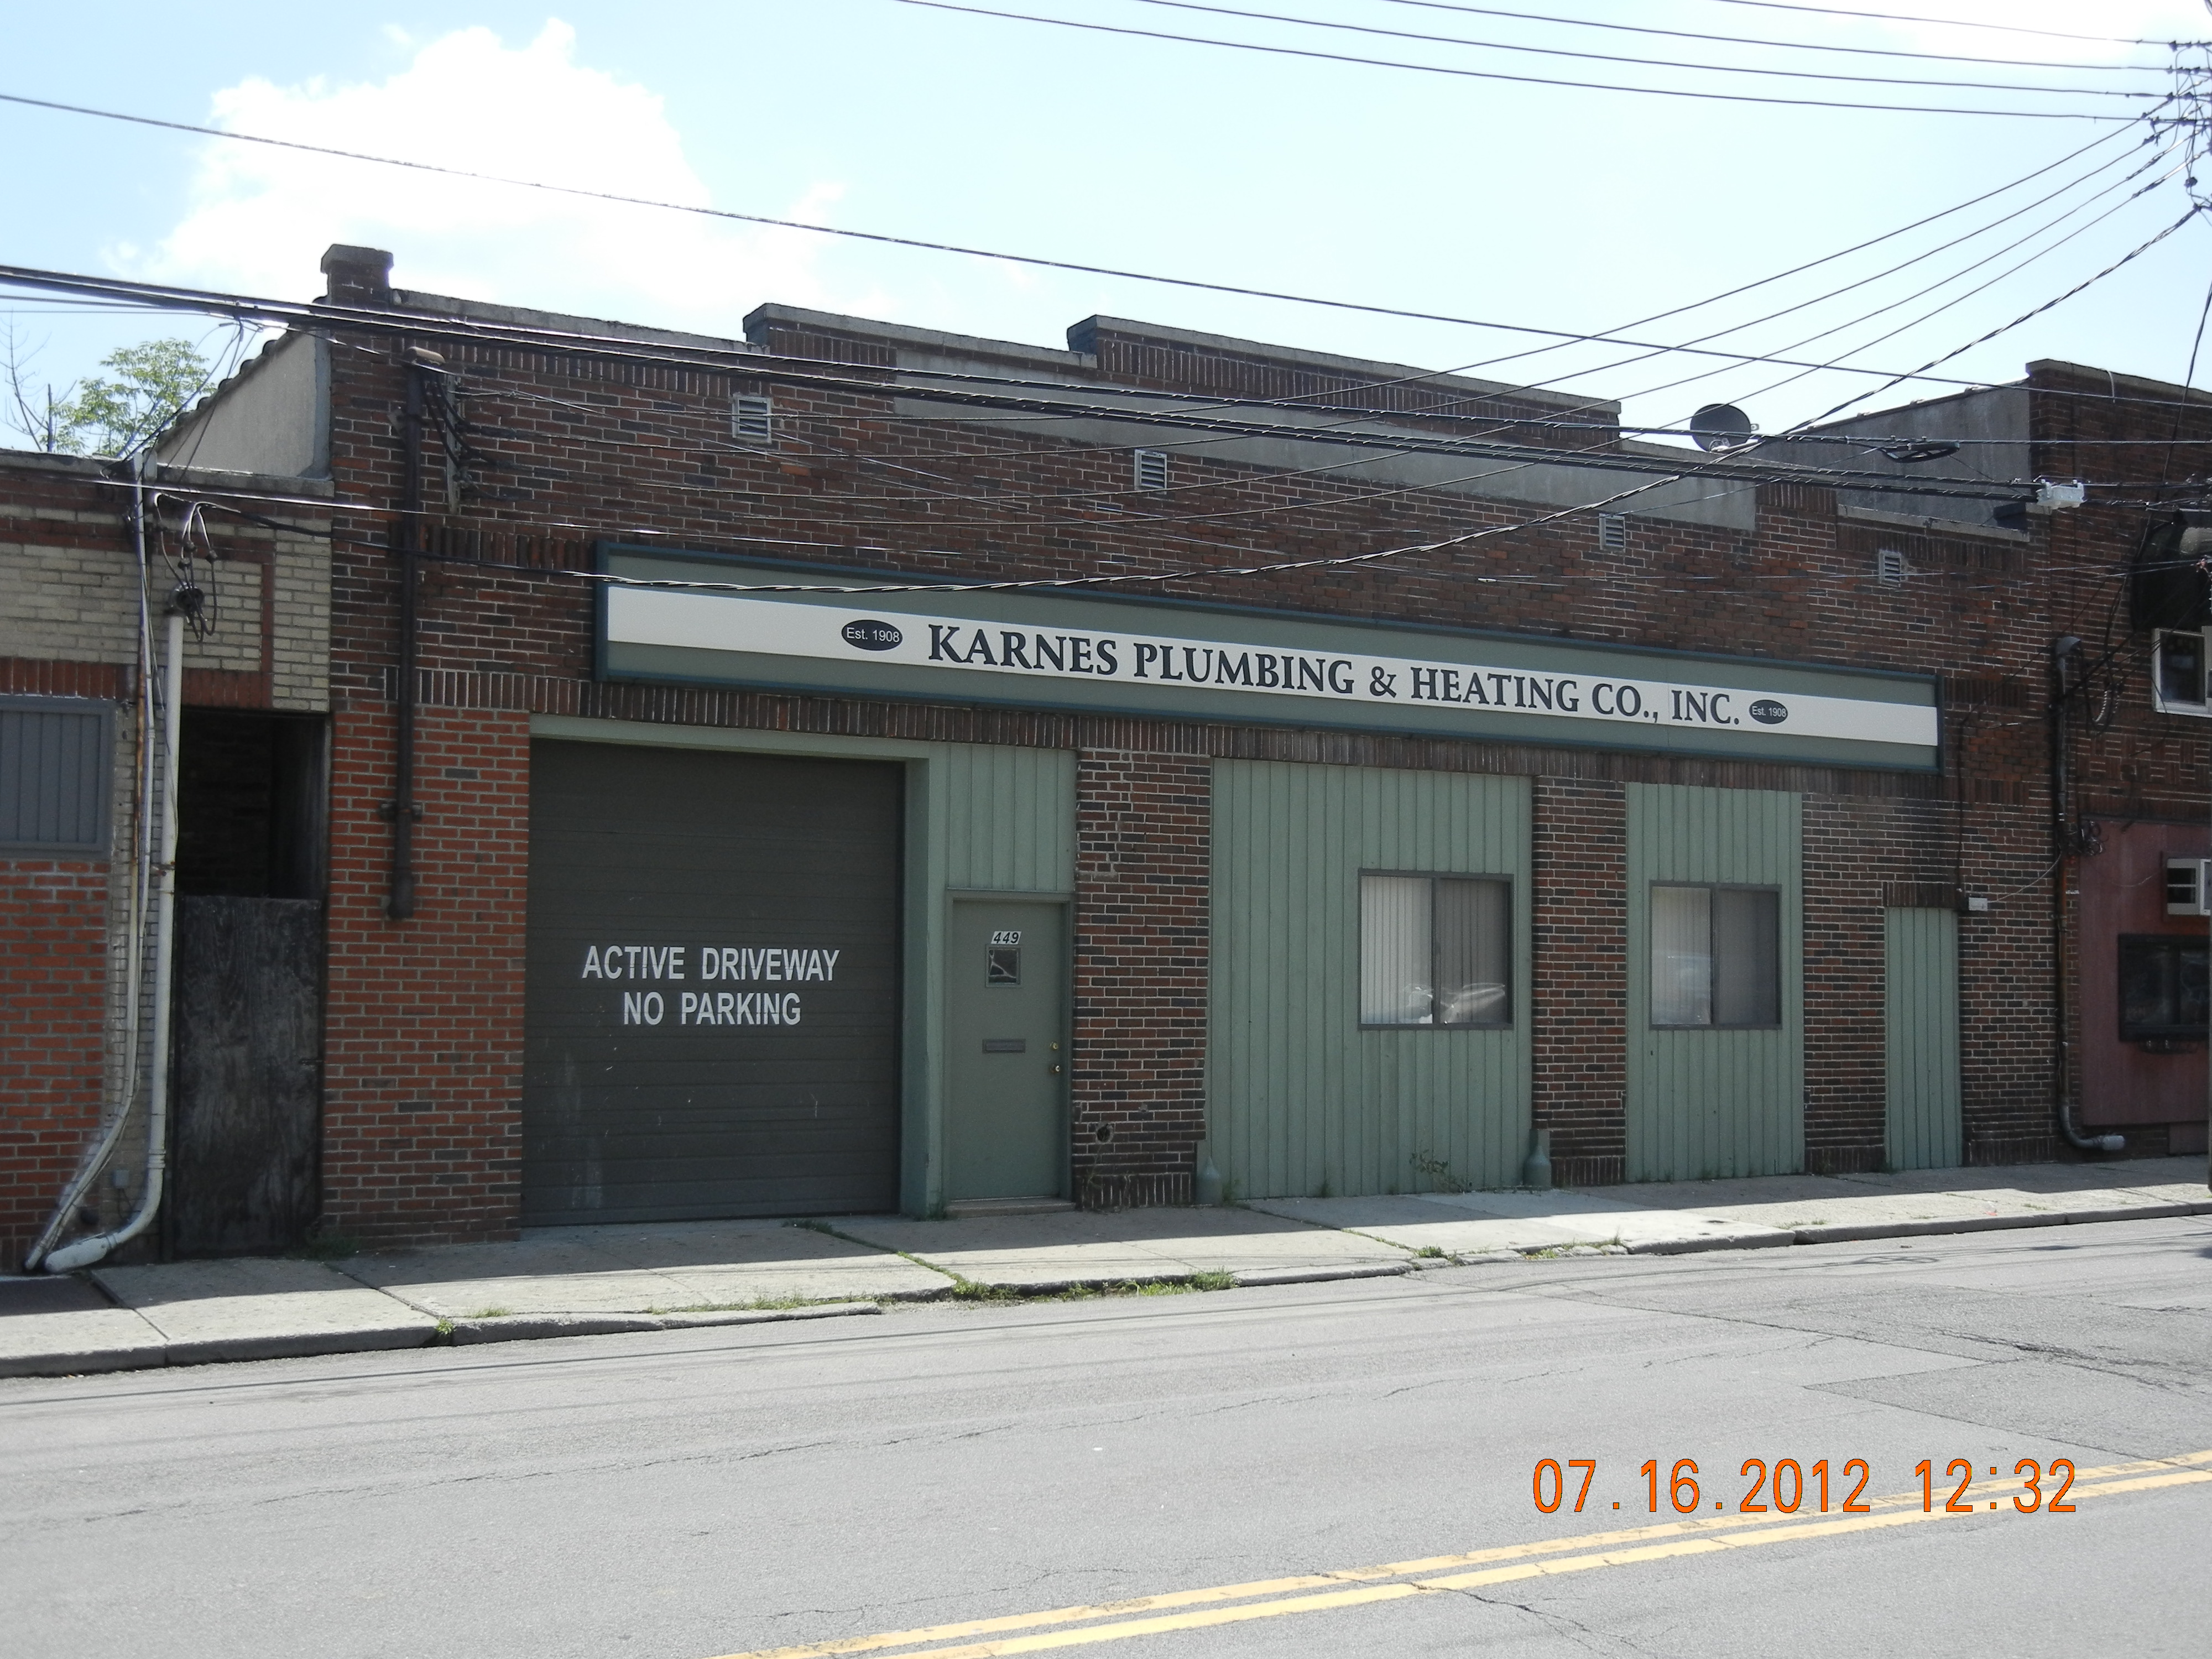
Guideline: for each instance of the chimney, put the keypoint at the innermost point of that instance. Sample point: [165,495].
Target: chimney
[356,276]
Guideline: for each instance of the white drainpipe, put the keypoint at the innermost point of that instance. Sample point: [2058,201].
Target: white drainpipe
[85,1251]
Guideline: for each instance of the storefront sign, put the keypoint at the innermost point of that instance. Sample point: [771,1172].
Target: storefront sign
[1055,651]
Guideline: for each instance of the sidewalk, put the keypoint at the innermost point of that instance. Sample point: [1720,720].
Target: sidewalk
[573,1281]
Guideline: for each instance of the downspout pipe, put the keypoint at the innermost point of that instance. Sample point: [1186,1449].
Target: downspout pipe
[142,875]
[2062,850]
[183,602]
[399,904]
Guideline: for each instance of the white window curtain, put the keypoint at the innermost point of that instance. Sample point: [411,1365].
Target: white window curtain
[1471,988]
[1681,955]
[1394,952]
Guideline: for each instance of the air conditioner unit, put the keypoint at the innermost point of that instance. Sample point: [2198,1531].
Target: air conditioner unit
[2186,887]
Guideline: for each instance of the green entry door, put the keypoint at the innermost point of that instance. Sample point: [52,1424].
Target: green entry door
[1922,957]
[1006,1014]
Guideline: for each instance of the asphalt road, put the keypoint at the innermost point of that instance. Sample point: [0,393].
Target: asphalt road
[684,1496]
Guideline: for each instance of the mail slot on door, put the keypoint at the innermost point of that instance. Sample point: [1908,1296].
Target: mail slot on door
[1006,1045]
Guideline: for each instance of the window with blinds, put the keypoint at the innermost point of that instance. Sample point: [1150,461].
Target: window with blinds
[1434,950]
[1715,956]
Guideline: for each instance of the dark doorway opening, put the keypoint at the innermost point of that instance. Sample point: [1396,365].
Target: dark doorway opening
[245,1125]
[251,793]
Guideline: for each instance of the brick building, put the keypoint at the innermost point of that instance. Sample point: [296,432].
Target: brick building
[703,808]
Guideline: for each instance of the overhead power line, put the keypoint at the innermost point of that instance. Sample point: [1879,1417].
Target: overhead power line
[1725,474]
[1787,45]
[222,304]
[322,317]
[1498,75]
[1645,62]
[1957,23]
[842,378]
[1434,546]
[1867,345]
[2128,257]
[1810,265]
[1771,316]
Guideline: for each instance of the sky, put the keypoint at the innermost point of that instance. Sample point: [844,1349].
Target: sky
[1491,201]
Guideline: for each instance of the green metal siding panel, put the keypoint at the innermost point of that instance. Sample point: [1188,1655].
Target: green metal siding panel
[1301,1098]
[1010,817]
[1714,1103]
[1920,1016]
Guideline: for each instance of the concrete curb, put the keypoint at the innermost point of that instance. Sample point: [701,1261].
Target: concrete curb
[1260,1276]
[157,1354]
[1767,1239]
[530,1328]
[1862,1232]
[298,1344]
[88,1363]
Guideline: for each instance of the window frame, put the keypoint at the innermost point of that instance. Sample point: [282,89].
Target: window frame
[2201,709]
[1781,1020]
[1432,876]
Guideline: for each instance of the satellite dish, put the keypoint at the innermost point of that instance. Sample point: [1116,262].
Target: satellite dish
[1722,427]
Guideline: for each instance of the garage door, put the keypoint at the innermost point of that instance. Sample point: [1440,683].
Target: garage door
[712,988]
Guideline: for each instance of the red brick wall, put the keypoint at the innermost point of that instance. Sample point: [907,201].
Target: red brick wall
[422,1116]
[1579,1034]
[1143,878]
[54,976]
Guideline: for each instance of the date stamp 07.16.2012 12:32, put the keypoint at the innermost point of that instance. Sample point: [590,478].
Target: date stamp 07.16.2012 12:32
[1786,1487]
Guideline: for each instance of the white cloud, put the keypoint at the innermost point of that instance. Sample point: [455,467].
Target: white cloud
[261,217]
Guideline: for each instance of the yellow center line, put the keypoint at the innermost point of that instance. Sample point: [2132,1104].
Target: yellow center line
[1581,1554]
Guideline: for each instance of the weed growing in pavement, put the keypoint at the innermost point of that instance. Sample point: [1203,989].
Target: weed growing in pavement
[967,1290]
[759,1304]
[329,1247]
[1438,1171]
[1429,1252]
[491,1312]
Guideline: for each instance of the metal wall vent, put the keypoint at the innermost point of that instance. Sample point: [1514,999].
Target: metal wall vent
[54,759]
[752,418]
[1613,532]
[1151,469]
[1889,567]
